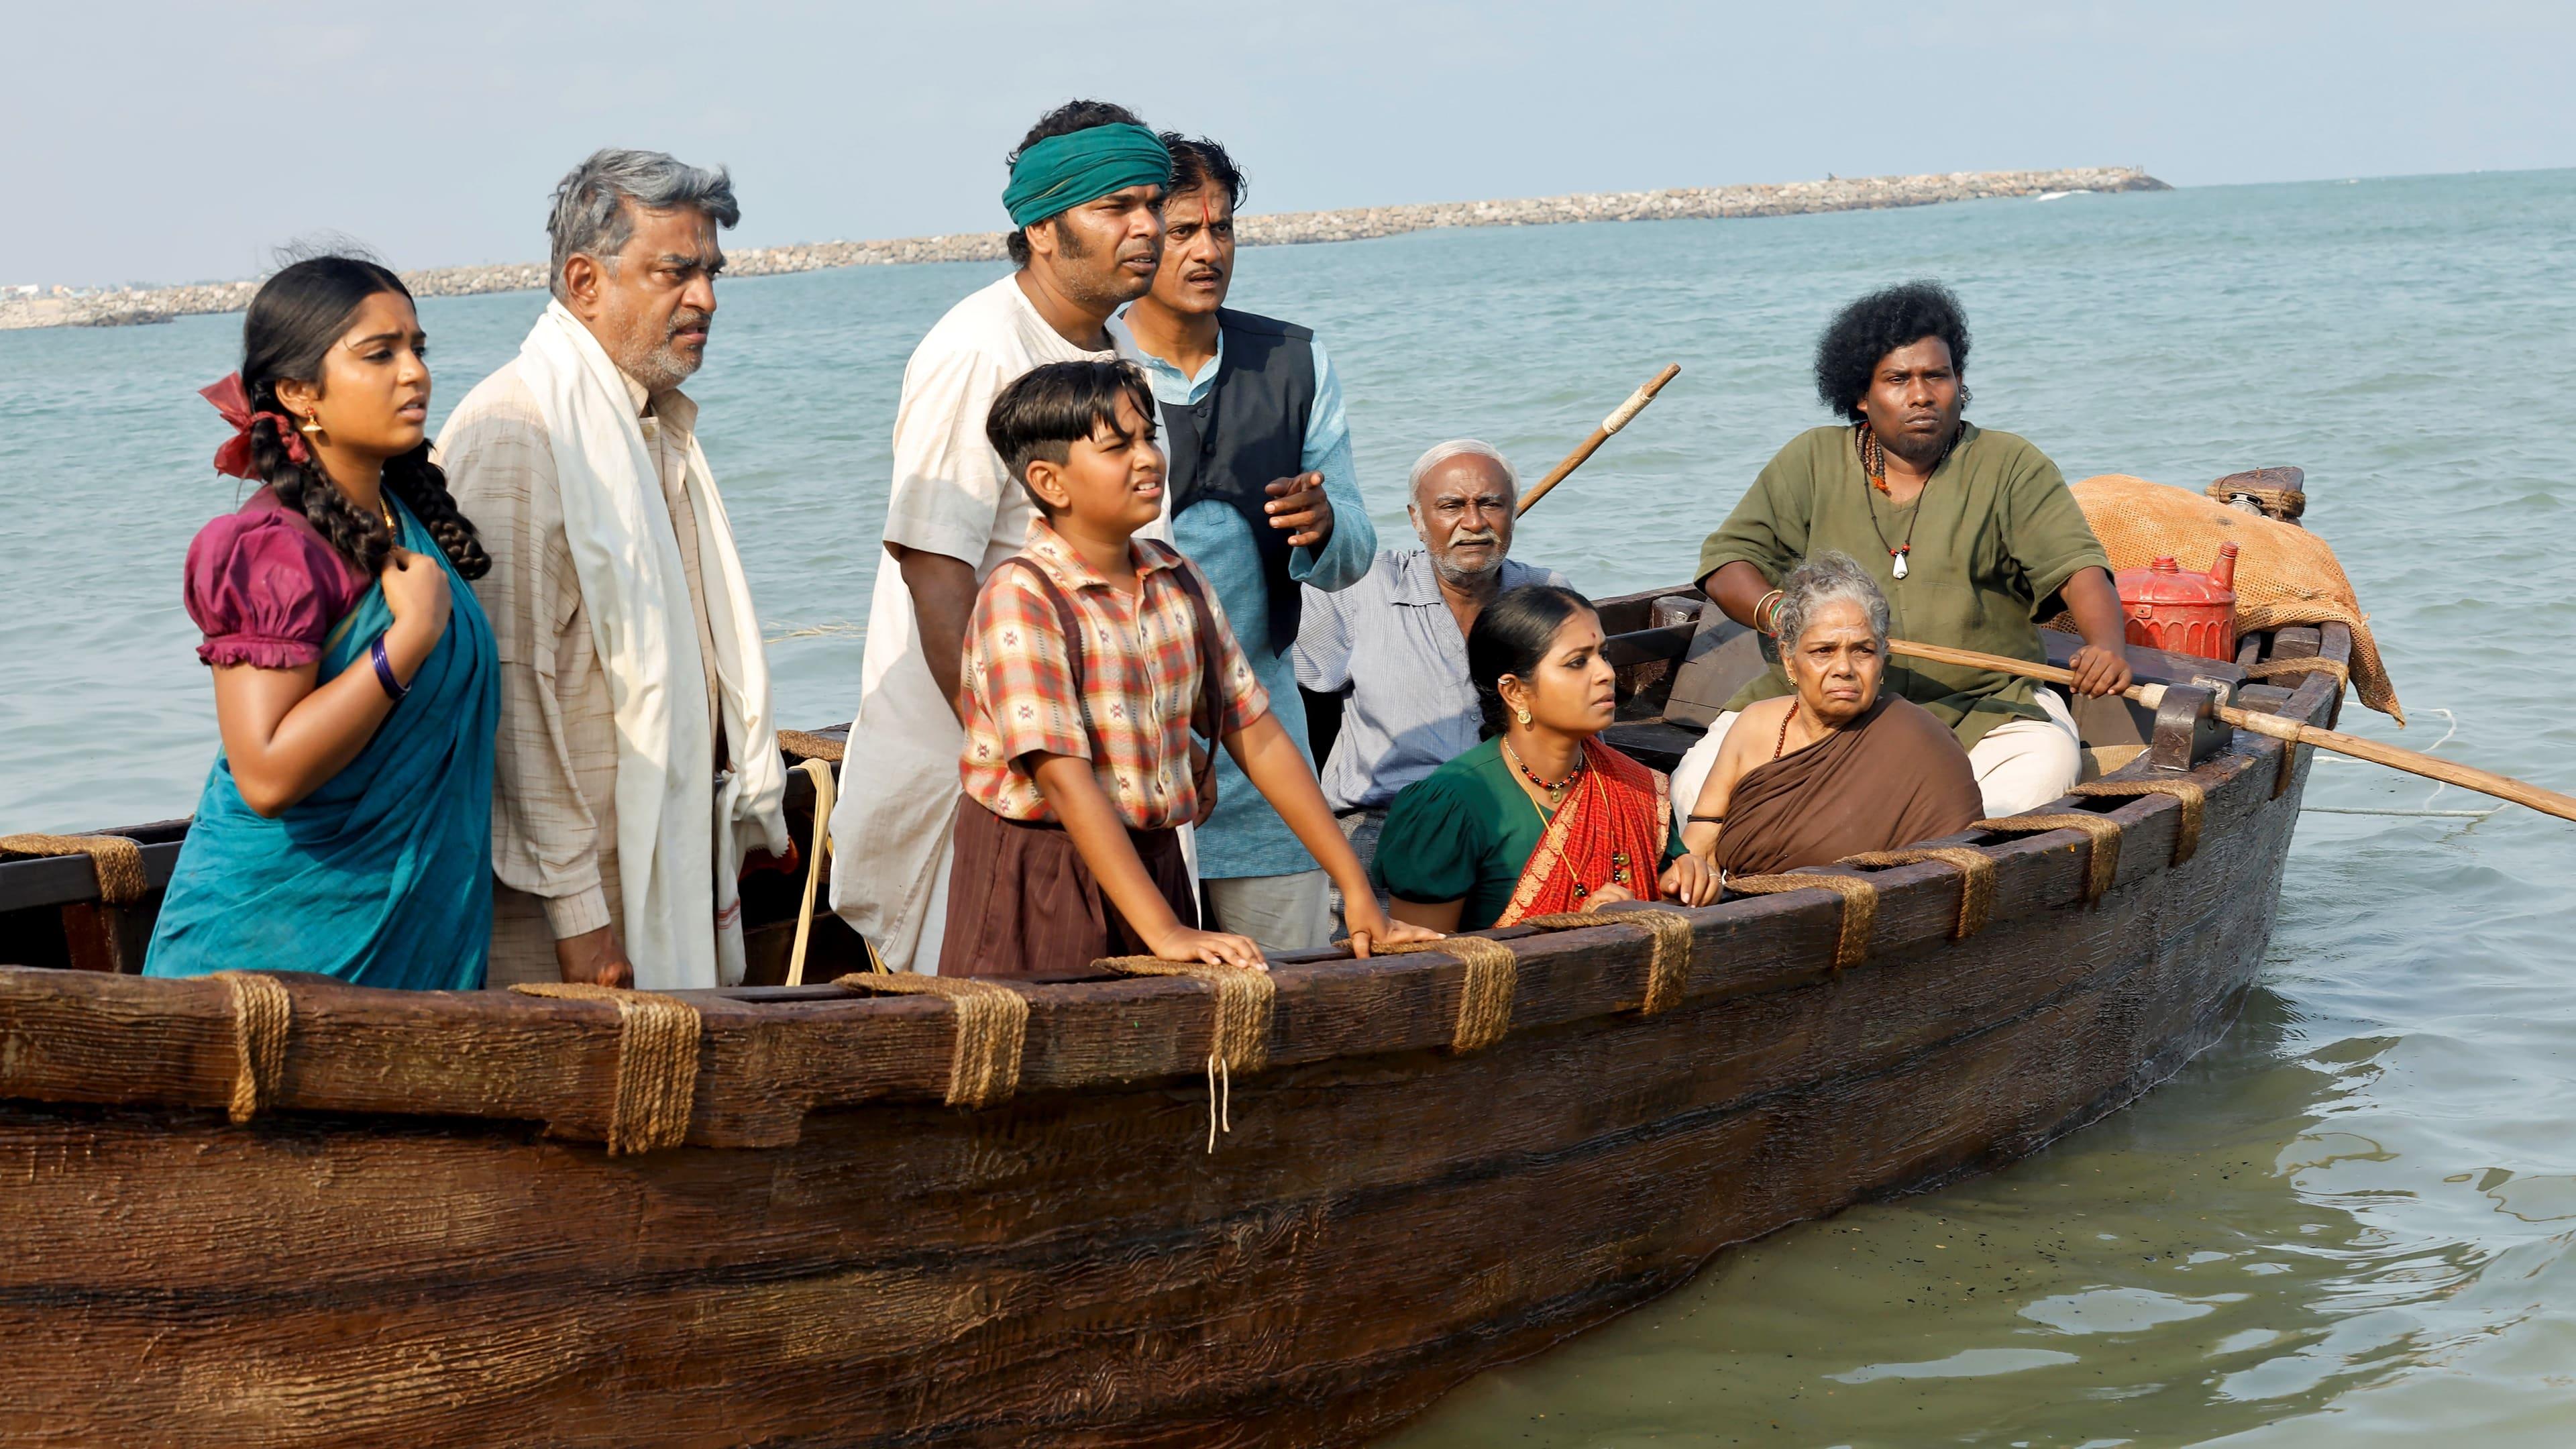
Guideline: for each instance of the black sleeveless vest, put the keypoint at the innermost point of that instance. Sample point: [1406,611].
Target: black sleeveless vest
[1248,432]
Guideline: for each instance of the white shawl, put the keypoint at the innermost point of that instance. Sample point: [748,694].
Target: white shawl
[679,881]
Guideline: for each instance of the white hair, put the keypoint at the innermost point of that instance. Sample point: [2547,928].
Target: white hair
[1828,577]
[1459,448]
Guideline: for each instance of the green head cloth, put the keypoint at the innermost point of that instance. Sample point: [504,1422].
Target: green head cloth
[1065,171]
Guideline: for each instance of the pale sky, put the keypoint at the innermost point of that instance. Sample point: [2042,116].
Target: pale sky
[181,141]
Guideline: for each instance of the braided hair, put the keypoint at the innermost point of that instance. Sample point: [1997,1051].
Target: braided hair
[290,328]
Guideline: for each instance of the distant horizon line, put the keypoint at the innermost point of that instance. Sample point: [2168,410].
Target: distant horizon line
[139,284]
[23,307]
[48,289]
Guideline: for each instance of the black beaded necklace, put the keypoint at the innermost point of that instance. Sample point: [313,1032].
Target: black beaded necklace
[1873,464]
[1555,788]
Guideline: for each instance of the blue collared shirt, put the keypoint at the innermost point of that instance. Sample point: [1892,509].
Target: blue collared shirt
[1392,642]
[1246,837]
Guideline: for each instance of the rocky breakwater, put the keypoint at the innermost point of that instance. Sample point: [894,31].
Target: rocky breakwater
[129,305]
[1690,203]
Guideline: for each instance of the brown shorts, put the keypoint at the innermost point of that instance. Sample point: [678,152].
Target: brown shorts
[1021,902]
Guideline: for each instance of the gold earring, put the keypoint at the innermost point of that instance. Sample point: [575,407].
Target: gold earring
[311,426]
[1524,715]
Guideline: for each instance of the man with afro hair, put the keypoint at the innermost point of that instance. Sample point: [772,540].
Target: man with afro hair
[1972,534]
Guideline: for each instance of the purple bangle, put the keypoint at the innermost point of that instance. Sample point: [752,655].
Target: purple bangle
[395,689]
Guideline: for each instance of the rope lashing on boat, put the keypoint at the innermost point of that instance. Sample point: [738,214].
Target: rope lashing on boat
[1859,913]
[2194,798]
[1239,1039]
[992,1029]
[2102,861]
[1485,999]
[262,1013]
[117,860]
[1976,879]
[1668,965]
[2273,669]
[657,1062]
[2313,664]
[2287,770]
[811,747]
[2276,502]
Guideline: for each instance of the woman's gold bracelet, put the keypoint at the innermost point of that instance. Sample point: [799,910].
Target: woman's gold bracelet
[1767,599]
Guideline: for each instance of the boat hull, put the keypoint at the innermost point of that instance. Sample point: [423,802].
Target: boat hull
[1076,1267]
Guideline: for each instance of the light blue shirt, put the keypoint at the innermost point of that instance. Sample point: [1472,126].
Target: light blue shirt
[1246,837]
[1393,643]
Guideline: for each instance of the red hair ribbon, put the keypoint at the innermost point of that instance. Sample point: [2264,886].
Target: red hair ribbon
[233,458]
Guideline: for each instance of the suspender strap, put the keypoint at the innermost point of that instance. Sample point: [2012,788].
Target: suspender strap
[1207,715]
[1065,618]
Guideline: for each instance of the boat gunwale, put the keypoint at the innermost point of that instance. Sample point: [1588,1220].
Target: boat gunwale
[771,1055]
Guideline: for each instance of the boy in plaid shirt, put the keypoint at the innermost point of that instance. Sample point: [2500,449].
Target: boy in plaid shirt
[1090,657]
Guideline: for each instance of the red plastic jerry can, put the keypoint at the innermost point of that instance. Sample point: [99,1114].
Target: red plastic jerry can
[2183,612]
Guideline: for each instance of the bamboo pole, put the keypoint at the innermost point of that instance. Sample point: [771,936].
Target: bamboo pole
[1619,418]
[2413,762]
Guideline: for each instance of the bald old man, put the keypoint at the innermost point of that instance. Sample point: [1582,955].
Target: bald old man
[1394,645]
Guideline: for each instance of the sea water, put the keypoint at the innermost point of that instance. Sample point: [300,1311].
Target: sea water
[2350,1222]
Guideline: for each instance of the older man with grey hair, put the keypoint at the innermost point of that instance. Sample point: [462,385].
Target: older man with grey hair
[636,765]
[1394,645]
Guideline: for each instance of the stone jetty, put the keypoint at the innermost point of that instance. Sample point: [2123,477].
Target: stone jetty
[60,307]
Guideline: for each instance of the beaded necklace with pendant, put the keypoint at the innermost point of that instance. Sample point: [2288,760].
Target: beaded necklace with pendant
[1555,788]
[1873,464]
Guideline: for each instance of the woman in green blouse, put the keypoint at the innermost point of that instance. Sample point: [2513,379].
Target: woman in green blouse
[1542,817]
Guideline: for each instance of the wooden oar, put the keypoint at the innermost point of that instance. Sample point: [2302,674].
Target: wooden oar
[1618,419]
[2431,767]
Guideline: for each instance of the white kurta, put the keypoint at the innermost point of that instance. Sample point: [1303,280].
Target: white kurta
[951,495]
[682,923]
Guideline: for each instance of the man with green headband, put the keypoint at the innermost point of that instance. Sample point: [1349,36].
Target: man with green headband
[1085,201]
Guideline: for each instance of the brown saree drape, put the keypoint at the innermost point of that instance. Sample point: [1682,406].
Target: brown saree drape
[1894,777]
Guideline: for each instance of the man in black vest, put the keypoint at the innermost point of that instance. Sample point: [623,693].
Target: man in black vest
[1263,498]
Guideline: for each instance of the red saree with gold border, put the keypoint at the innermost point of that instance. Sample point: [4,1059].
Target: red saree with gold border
[1612,829]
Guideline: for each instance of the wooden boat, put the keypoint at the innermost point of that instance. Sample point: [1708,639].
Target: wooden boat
[420,1233]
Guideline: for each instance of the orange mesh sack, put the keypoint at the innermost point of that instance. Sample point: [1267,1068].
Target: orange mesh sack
[2284,574]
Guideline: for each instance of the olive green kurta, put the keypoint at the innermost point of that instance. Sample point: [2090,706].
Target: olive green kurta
[1999,534]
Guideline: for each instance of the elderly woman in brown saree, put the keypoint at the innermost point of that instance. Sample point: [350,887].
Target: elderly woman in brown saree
[1838,767]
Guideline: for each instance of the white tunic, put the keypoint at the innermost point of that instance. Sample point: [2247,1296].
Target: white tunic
[952,495]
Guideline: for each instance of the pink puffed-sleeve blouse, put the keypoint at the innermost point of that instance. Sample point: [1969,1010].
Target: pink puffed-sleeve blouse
[265,588]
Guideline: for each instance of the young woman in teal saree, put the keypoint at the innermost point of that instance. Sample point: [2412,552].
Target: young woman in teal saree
[346,825]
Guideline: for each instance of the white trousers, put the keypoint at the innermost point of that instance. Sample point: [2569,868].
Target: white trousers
[2020,765]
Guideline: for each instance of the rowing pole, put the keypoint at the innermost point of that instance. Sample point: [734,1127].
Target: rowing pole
[1618,419]
[2431,767]
[2467,777]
